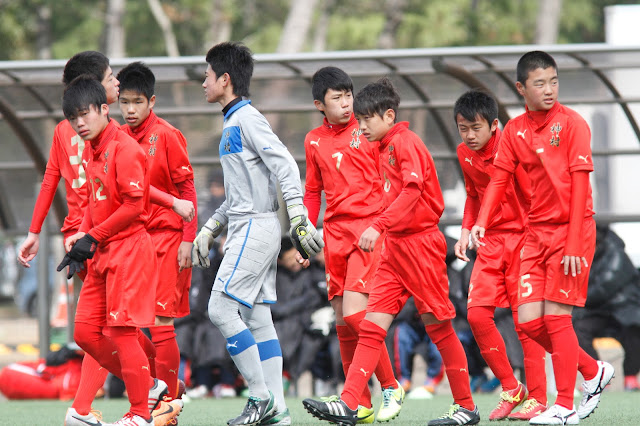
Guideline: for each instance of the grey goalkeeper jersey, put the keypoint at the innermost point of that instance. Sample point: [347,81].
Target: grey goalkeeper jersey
[254,160]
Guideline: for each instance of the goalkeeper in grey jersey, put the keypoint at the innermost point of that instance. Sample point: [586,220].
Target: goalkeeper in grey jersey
[253,160]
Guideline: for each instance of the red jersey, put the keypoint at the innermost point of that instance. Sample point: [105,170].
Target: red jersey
[411,188]
[549,145]
[166,150]
[347,167]
[477,169]
[118,166]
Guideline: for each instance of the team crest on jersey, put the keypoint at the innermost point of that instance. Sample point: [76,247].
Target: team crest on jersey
[355,138]
[106,155]
[152,140]
[555,134]
[392,159]
[227,144]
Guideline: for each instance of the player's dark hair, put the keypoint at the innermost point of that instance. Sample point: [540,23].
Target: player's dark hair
[376,98]
[81,93]
[475,103]
[138,78]
[285,245]
[234,59]
[89,62]
[329,78]
[531,61]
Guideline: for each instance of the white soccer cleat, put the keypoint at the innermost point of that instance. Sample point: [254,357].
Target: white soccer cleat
[556,415]
[157,393]
[592,389]
[73,418]
[131,419]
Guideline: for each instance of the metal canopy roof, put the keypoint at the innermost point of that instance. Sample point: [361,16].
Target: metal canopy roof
[598,80]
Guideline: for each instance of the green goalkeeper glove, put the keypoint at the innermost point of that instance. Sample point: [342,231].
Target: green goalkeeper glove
[203,243]
[302,232]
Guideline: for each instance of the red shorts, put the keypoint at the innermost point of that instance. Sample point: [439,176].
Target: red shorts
[496,270]
[413,266]
[172,289]
[347,266]
[541,273]
[117,289]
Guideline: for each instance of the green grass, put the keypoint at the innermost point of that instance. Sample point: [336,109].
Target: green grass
[616,408]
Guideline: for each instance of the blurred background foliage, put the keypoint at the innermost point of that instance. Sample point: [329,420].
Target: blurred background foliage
[43,29]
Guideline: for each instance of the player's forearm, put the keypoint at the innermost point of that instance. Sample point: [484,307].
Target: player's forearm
[578,203]
[187,191]
[471,210]
[493,196]
[129,210]
[398,209]
[160,198]
[44,200]
[312,201]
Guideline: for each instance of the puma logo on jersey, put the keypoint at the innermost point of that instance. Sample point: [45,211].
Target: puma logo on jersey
[414,174]
[114,315]
[364,283]
[539,150]
[136,184]
[469,160]
[145,367]
[365,372]
[172,371]
[565,292]
[114,352]
[584,158]
[233,345]
[463,370]
[494,349]
[187,168]
[86,163]
[521,133]
[316,143]
[163,305]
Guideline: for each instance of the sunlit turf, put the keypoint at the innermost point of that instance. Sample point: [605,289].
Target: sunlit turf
[616,408]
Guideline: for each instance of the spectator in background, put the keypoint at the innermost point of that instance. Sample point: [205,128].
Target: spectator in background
[613,303]
[214,195]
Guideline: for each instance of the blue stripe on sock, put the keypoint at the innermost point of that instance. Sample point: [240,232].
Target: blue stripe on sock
[240,342]
[269,349]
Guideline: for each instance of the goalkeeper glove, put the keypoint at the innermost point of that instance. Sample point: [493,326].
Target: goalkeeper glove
[302,232]
[204,241]
[73,264]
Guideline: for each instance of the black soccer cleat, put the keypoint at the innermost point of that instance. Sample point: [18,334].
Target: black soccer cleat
[457,416]
[333,410]
[255,411]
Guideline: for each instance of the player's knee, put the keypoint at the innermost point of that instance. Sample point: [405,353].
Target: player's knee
[353,321]
[479,317]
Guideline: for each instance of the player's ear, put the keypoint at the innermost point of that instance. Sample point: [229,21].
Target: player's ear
[152,101]
[104,109]
[494,125]
[389,116]
[520,88]
[319,105]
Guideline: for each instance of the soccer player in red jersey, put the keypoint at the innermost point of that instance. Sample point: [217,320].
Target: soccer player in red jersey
[115,299]
[412,261]
[494,280]
[171,172]
[552,143]
[347,168]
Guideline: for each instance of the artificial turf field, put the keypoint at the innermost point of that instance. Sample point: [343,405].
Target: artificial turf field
[615,409]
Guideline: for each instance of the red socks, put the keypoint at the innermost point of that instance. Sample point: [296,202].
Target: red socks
[534,364]
[92,378]
[348,343]
[167,361]
[365,359]
[149,350]
[491,344]
[455,362]
[384,369]
[565,356]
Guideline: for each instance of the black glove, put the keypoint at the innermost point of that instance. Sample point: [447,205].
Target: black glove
[73,264]
[84,248]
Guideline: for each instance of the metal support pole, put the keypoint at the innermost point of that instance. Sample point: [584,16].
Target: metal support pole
[44,291]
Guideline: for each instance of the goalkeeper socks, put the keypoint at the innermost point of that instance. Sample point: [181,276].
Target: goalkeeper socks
[384,369]
[92,378]
[534,364]
[167,360]
[491,344]
[348,342]
[149,350]
[564,356]
[263,331]
[455,362]
[135,368]
[364,361]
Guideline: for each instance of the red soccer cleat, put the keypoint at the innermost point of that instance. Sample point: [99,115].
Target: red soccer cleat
[508,401]
[530,409]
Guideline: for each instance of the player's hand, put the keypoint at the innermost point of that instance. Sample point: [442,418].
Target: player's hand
[184,255]
[477,234]
[301,260]
[73,264]
[28,249]
[184,208]
[84,248]
[573,263]
[69,242]
[302,232]
[204,241]
[460,249]
[368,239]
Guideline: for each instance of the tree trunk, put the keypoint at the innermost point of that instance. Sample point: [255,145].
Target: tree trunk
[393,10]
[547,21]
[114,30]
[43,42]
[296,27]
[220,23]
[319,42]
[165,25]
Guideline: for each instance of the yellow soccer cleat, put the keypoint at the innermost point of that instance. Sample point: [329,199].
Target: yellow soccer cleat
[365,415]
[392,400]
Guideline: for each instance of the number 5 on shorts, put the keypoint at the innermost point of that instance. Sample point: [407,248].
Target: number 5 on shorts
[527,289]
